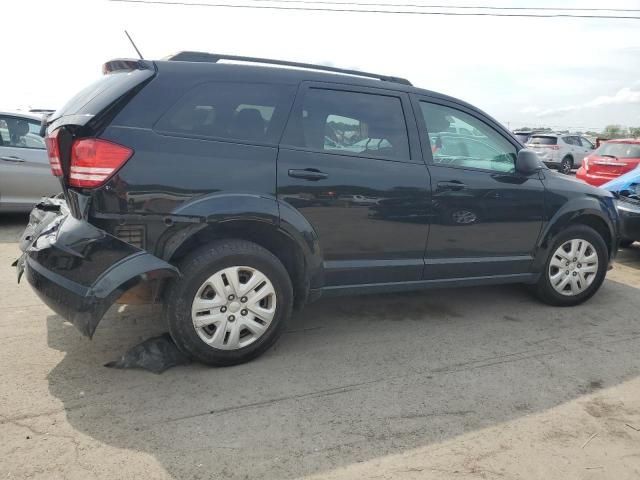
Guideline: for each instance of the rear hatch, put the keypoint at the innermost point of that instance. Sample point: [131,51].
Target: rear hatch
[612,159]
[76,153]
[543,145]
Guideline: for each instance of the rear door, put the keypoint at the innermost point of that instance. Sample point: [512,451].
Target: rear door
[350,164]
[485,217]
[25,175]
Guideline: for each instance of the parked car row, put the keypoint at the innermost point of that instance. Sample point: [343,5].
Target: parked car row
[614,167]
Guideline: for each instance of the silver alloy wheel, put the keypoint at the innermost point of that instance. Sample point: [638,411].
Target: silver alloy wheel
[233,308]
[566,165]
[573,267]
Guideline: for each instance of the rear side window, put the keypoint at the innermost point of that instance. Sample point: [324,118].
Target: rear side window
[544,140]
[353,123]
[254,113]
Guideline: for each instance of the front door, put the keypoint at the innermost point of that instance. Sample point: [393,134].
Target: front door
[485,217]
[350,164]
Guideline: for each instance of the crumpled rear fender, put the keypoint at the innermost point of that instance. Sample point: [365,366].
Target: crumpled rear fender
[79,270]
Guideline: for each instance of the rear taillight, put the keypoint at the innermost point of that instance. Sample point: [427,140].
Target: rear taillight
[585,164]
[555,147]
[53,152]
[94,160]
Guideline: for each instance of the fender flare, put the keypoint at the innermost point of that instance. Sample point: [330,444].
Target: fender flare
[244,209]
[568,214]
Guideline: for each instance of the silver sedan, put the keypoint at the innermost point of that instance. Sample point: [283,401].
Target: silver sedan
[25,174]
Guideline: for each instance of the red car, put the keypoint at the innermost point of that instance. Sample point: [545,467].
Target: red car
[612,159]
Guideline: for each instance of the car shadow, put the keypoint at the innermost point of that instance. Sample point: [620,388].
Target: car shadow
[351,380]
[12,225]
[630,256]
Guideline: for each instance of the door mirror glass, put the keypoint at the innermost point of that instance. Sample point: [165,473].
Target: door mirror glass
[528,162]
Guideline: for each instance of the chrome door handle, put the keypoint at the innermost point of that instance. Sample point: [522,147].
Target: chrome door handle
[452,185]
[312,174]
[12,158]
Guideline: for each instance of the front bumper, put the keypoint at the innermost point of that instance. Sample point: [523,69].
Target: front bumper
[79,270]
[629,212]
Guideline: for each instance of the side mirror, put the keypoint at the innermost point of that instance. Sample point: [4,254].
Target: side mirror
[528,162]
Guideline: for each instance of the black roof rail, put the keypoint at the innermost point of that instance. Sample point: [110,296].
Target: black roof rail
[216,57]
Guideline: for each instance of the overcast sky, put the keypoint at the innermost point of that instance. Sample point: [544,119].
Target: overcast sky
[580,73]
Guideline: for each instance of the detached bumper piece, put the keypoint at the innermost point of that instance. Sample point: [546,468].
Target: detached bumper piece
[79,270]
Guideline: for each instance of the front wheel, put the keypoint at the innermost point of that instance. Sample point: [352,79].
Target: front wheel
[575,268]
[231,303]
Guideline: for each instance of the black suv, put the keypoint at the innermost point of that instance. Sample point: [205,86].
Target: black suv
[233,193]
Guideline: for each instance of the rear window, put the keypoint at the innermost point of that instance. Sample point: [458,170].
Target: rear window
[544,140]
[235,111]
[103,92]
[619,150]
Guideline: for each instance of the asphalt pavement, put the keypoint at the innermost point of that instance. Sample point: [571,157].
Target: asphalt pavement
[460,383]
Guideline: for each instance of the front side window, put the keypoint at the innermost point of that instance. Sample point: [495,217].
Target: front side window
[586,143]
[353,123]
[234,111]
[475,145]
[20,133]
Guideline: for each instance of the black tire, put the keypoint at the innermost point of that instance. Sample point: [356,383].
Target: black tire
[195,269]
[626,243]
[566,165]
[545,291]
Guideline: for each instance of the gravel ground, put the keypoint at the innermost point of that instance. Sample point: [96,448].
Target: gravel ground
[476,383]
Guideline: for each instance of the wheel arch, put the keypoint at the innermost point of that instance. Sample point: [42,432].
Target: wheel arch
[297,260]
[588,212]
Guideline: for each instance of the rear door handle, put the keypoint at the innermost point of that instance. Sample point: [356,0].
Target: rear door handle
[308,174]
[452,185]
[12,158]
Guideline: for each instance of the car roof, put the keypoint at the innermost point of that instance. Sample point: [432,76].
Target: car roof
[293,76]
[27,115]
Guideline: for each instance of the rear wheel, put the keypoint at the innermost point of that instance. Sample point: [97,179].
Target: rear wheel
[566,165]
[231,304]
[575,268]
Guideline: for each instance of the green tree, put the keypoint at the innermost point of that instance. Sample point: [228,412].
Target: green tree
[614,131]
[634,132]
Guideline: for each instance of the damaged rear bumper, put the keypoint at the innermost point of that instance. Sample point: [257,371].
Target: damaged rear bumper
[78,270]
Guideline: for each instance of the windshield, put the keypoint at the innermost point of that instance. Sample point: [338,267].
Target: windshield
[619,150]
[544,140]
[523,137]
